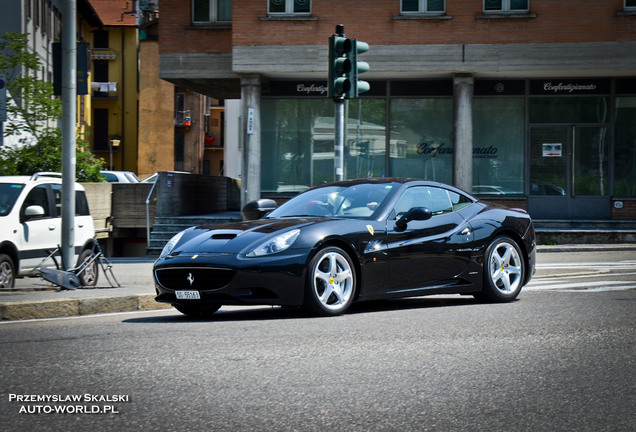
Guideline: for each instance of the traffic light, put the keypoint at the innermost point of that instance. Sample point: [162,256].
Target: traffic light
[357,68]
[344,67]
[339,66]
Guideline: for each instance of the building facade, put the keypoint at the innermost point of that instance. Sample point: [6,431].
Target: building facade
[41,21]
[113,41]
[531,102]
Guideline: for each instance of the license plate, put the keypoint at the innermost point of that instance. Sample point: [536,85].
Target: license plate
[188,295]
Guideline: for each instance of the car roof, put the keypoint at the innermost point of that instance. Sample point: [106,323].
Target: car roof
[383,180]
[35,178]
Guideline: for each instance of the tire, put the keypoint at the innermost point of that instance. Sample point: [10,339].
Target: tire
[89,276]
[7,272]
[504,271]
[198,311]
[331,282]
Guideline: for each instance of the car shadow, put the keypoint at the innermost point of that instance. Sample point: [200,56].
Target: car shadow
[260,313]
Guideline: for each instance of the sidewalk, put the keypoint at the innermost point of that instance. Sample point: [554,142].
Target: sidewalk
[34,298]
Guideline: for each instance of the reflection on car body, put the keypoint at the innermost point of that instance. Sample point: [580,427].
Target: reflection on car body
[351,241]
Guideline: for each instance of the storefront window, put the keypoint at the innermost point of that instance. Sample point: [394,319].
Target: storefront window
[298,138]
[625,147]
[498,142]
[365,143]
[421,139]
[569,110]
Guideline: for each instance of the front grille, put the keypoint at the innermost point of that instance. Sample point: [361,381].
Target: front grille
[196,278]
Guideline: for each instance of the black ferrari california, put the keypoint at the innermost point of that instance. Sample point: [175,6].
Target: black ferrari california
[351,241]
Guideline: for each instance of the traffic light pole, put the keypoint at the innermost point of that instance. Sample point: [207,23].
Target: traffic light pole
[343,84]
[69,111]
[339,118]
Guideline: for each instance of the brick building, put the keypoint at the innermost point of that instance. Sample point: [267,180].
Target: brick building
[532,102]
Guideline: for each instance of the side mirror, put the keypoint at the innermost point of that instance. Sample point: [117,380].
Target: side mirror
[416,213]
[257,209]
[33,211]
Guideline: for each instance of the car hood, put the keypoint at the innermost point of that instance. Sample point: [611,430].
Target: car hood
[232,238]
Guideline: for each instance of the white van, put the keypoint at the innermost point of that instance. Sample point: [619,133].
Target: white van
[31,227]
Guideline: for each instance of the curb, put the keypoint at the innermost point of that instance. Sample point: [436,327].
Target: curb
[77,307]
[617,247]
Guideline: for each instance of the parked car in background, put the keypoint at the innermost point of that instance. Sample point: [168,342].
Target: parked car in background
[120,176]
[351,241]
[31,227]
[153,177]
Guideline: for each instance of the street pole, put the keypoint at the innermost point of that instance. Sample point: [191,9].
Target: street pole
[69,108]
[339,116]
[339,125]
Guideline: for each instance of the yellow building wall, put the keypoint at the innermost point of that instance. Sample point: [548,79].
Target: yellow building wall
[122,123]
[84,117]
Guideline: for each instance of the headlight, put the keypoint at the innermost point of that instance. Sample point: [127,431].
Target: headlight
[170,245]
[276,244]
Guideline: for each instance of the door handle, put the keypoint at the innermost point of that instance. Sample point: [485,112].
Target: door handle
[51,227]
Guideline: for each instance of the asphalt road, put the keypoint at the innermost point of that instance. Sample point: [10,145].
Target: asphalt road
[554,360]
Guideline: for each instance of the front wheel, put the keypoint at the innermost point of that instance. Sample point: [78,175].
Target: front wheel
[331,283]
[7,272]
[89,274]
[504,271]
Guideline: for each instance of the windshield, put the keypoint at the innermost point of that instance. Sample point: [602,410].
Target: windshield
[9,193]
[358,201]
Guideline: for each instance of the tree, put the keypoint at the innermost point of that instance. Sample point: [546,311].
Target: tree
[39,112]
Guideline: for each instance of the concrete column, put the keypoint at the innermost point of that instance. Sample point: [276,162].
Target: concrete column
[463,132]
[251,99]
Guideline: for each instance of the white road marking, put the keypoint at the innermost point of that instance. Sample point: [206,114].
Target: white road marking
[579,278]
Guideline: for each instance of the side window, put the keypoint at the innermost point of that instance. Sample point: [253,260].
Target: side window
[38,197]
[459,201]
[81,203]
[409,199]
[437,200]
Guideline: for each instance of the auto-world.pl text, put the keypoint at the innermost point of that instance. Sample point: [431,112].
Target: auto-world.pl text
[68,404]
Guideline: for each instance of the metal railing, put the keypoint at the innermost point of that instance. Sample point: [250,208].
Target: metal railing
[152,190]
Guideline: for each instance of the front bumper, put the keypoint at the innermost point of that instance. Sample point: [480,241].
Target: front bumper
[232,280]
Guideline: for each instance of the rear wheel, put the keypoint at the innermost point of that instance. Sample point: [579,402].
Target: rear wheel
[331,286]
[504,271]
[198,311]
[88,276]
[7,272]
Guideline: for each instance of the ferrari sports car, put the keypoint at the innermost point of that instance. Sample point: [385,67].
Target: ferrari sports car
[351,241]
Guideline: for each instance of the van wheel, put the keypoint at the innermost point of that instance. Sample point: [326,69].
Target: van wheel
[89,276]
[7,272]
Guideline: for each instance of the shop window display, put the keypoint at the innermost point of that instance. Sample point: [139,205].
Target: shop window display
[498,143]
[422,131]
[298,142]
[625,147]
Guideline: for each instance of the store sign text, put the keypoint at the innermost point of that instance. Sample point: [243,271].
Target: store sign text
[441,149]
[311,89]
[568,88]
